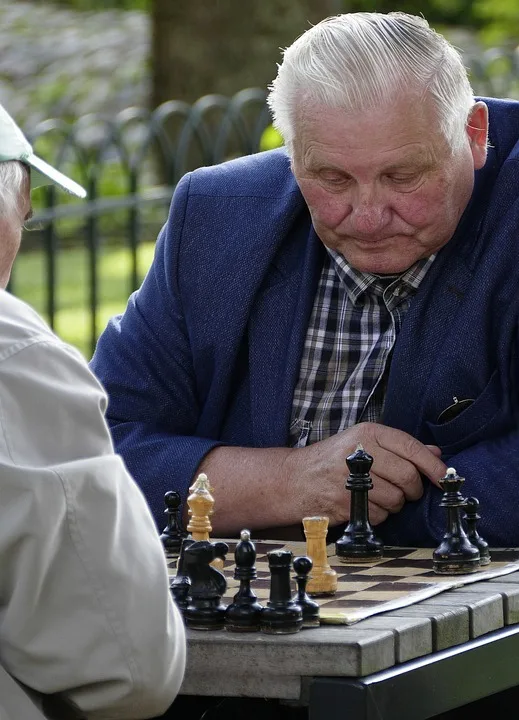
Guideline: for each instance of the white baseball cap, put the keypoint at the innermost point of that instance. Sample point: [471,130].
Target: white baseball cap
[15,146]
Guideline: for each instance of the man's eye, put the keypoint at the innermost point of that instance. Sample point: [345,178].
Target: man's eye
[402,179]
[334,179]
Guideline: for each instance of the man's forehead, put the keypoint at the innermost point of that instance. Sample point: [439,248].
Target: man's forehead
[412,156]
[407,113]
[389,134]
[398,156]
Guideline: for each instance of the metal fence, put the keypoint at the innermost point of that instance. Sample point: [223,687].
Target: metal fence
[130,165]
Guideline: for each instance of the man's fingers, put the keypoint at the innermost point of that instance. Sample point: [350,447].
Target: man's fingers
[399,472]
[435,450]
[386,495]
[376,514]
[411,449]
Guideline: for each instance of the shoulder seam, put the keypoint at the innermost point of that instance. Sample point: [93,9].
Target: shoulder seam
[28,342]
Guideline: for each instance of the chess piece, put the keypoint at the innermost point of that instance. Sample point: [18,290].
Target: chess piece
[181,584]
[455,554]
[243,614]
[205,610]
[173,533]
[302,566]
[359,542]
[281,615]
[323,580]
[471,518]
[201,503]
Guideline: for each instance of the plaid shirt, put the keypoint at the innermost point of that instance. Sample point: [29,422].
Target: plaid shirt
[345,363]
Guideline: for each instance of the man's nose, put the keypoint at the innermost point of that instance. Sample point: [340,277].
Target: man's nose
[369,212]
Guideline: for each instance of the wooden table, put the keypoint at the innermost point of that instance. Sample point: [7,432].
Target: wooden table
[407,664]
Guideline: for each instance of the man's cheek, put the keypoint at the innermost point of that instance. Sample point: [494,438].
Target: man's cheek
[416,212]
[326,210]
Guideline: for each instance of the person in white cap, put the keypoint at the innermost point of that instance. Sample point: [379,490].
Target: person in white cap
[86,618]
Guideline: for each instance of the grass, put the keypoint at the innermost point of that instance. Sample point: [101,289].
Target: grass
[73,320]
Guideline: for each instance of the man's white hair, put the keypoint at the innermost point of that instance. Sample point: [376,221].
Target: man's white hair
[358,61]
[12,176]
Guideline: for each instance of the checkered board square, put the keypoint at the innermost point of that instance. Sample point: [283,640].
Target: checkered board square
[402,577]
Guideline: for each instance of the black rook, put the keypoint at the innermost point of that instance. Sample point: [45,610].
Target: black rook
[281,614]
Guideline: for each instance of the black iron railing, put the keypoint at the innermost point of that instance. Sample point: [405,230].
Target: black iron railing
[129,165]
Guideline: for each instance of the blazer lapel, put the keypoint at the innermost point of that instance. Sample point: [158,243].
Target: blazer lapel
[420,347]
[277,331]
[420,351]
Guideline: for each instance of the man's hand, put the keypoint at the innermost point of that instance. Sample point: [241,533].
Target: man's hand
[274,487]
[318,471]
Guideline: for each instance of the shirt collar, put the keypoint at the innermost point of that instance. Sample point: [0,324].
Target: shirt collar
[356,282]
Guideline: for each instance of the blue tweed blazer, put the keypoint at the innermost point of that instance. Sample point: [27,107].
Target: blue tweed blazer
[208,349]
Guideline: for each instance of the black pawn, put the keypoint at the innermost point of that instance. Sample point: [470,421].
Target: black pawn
[455,554]
[359,542]
[173,533]
[243,614]
[181,584]
[302,567]
[281,615]
[205,610]
[471,518]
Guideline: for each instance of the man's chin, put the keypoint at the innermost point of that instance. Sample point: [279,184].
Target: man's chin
[379,260]
[379,264]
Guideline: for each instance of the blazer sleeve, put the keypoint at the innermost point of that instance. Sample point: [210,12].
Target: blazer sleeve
[491,470]
[85,609]
[144,361]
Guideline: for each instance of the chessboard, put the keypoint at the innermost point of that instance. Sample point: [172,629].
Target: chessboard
[402,577]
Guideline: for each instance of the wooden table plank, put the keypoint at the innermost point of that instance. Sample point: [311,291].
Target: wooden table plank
[327,650]
[510,595]
[413,636]
[450,625]
[214,682]
[485,609]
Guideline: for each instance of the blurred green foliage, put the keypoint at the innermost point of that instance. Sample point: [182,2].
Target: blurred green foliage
[270,139]
[455,12]
[102,4]
[73,316]
[496,21]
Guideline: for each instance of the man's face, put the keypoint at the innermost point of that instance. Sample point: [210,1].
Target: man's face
[11,227]
[383,187]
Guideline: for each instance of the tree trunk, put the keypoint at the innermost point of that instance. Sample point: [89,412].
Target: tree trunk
[223,46]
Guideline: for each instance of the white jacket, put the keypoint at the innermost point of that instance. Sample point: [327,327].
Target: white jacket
[85,608]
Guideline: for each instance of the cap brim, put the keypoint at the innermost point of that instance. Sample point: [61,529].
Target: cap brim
[55,176]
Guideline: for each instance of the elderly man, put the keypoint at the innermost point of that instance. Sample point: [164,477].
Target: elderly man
[360,286]
[85,612]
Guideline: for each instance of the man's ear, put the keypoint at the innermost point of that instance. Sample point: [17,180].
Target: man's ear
[477,131]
